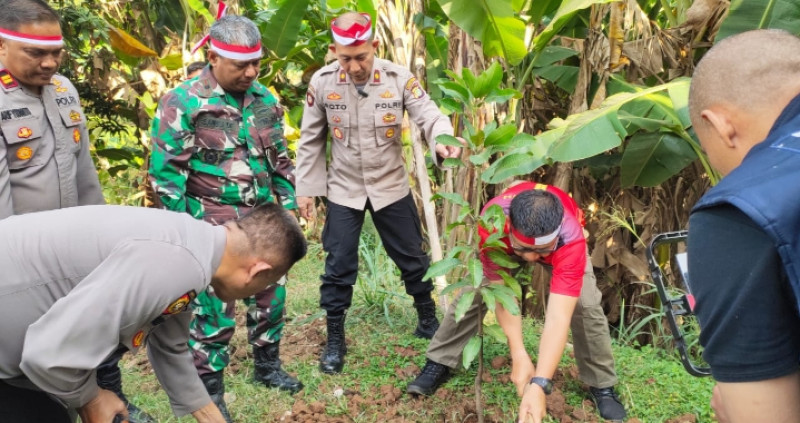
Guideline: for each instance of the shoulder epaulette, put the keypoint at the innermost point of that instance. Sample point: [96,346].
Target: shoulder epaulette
[6,80]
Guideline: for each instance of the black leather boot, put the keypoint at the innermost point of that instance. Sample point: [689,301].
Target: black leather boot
[269,372]
[332,360]
[110,378]
[428,323]
[429,379]
[216,389]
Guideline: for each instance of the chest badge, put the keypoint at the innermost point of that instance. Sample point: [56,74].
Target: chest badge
[76,135]
[138,339]
[390,133]
[337,119]
[61,89]
[6,79]
[387,94]
[55,82]
[389,118]
[181,303]
[24,153]
[337,132]
[24,132]
[74,116]
[334,96]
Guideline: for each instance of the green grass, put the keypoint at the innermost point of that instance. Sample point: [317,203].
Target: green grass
[383,356]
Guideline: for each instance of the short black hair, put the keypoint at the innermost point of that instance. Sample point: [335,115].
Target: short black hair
[536,212]
[19,12]
[273,232]
[195,66]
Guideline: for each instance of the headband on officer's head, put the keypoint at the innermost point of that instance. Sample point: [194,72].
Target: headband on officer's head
[535,240]
[355,35]
[39,40]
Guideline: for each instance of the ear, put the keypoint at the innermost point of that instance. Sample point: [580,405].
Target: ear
[332,48]
[257,267]
[213,57]
[375,43]
[719,121]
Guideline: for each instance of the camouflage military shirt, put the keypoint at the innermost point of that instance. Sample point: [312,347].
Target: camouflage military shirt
[214,159]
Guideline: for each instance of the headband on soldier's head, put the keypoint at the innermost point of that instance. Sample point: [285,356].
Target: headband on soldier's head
[55,41]
[355,35]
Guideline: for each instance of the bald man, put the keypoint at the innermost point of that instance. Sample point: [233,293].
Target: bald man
[744,234]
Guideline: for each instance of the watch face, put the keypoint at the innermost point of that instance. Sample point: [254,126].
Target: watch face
[544,383]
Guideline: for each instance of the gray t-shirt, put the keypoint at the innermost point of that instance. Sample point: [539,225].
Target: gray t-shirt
[77,283]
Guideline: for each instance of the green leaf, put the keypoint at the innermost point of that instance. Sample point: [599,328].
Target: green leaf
[510,166]
[475,269]
[565,12]
[463,283]
[284,27]
[502,95]
[512,284]
[488,299]
[506,297]
[458,250]
[553,54]
[445,139]
[565,77]
[487,81]
[652,158]
[118,153]
[501,135]
[502,259]
[483,157]
[505,38]
[496,332]
[441,267]
[452,162]
[679,94]
[332,4]
[760,14]
[199,7]
[172,61]
[464,303]
[452,197]
[471,351]
[456,90]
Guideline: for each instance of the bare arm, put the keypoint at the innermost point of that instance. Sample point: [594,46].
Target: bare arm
[208,414]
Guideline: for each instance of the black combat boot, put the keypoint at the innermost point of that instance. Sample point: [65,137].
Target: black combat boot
[332,359]
[432,376]
[216,390]
[110,378]
[428,323]
[608,404]
[269,372]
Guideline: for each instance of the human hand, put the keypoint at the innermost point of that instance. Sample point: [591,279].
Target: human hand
[717,405]
[103,408]
[209,414]
[533,407]
[305,205]
[450,151]
[522,370]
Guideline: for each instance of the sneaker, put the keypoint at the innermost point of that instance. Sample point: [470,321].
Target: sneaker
[608,404]
[433,375]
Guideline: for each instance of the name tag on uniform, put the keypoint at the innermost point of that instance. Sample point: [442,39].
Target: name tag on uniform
[211,122]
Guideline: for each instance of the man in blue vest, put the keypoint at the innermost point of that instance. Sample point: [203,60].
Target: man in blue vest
[744,234]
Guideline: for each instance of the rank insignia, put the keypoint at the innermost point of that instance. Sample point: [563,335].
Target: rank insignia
[61,89]
[138,339]
[390,133]
[55,82]
[342,77]
[337,132]
[376,77]
[24,132]
[74,116]
[387,94]
[334,96]
[6,79]
[389,118]
[336,119]
[181,303]
[24,153]
[76,135]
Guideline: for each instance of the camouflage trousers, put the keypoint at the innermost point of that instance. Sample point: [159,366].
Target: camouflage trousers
[214,323]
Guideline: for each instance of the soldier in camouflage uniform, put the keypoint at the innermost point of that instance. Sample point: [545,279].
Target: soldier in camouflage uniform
[218,150]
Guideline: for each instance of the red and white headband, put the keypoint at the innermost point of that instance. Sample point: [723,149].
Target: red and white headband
[356,35]
[54,41]
[229,51]
[539,240]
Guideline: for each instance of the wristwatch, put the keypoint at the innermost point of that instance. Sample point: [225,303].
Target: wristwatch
[543,382]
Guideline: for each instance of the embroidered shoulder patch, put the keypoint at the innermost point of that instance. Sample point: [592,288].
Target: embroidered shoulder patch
[181,303]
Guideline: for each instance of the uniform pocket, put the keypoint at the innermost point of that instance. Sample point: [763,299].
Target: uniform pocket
[339,125]
[23,141]
[387,127]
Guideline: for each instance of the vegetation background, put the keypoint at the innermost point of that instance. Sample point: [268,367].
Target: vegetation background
[587,95]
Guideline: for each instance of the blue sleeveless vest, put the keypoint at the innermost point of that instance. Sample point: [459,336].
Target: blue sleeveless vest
[766,187]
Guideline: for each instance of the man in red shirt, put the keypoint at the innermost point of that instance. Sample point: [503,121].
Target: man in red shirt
[544,226]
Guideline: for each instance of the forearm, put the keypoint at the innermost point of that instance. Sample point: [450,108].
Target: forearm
[554,334]
[209,413]
[512,327]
